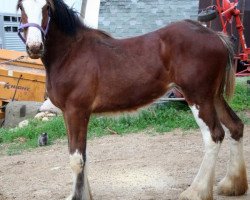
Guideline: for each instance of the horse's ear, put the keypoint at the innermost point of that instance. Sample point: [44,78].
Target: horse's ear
[51,4]
[18,4]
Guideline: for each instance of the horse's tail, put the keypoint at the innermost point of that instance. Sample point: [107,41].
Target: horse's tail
[228,83]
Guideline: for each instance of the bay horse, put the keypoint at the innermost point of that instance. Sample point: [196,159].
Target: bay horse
[88,71]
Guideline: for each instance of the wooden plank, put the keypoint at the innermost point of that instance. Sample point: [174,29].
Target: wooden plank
[25,75]
[6,55]
[2,115]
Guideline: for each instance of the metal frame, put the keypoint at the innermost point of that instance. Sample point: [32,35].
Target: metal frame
[227,11]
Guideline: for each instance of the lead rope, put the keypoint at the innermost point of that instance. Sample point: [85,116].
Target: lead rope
[13,60]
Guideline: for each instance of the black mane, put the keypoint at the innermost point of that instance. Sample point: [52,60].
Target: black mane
[66,19]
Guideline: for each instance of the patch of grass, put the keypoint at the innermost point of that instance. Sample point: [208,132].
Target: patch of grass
[159,119]
[241,99]
[24,138]
[162,118]
[155,119]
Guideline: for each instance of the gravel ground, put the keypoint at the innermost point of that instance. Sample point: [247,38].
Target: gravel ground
[131,167]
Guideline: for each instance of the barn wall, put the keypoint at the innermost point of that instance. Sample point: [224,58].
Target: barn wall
[123,18]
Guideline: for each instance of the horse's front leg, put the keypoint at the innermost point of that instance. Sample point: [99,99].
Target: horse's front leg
[76,124]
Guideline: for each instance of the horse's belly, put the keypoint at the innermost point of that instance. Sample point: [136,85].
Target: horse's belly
[128,99]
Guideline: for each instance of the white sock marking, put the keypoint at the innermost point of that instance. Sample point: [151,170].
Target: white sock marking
[204,179]
[76,162]
[236,161]
[77,165]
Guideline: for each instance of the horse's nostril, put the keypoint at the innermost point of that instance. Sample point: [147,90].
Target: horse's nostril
[35,48]
[41,47]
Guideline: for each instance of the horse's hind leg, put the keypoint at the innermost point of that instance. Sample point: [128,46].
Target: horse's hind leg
[213,134]
[76,124]
[235,181]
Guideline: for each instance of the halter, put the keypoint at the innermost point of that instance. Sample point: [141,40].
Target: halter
[23,26]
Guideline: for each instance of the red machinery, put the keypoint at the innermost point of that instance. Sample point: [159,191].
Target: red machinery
[227,12]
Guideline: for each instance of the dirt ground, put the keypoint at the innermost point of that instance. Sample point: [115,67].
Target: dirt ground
[131,167]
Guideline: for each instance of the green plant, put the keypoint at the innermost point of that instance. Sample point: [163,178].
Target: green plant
[154,119]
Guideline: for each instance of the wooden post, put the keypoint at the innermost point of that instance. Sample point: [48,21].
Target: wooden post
[83,8]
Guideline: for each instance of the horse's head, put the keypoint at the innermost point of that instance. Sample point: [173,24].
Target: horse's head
[34,25]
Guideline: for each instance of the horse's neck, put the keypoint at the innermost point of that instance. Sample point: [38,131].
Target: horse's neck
[57,46]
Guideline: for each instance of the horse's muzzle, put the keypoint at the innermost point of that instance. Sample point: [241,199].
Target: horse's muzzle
[35,51]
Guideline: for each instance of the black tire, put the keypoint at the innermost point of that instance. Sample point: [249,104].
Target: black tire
[207,15]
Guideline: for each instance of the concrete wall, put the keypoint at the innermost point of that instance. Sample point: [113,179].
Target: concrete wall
[123,18]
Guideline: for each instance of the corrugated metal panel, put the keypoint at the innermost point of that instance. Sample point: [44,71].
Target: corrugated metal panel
[1,32]
[10,39]
[13,42]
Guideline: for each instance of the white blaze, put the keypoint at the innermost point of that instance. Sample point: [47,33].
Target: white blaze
[33,10]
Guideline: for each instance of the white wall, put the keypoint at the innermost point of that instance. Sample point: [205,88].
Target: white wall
[9,6]
[92,10]
[92,13]
[91,16]
[76,4]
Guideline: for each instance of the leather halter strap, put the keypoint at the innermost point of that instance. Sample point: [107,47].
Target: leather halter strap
[23,26]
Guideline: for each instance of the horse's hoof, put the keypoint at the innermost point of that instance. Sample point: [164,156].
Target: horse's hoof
[233,186]
[70,197]
[194,194]
[87,197]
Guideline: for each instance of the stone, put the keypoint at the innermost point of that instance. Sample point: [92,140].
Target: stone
[17,111]
[49,107]
[45,119]
[131,15]
[40,115]
[23,123]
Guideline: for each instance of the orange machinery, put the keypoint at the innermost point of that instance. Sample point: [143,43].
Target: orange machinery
[21,79]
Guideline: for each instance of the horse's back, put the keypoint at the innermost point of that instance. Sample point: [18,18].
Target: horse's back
[198,56]
[191,44]
[191,33]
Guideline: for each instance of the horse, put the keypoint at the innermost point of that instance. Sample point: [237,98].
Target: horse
[88,71]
